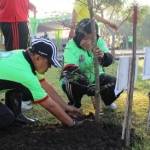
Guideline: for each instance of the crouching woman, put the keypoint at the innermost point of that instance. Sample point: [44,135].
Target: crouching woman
[78,77]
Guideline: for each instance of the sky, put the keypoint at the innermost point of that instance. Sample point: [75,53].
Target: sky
[44,7]
[144,2]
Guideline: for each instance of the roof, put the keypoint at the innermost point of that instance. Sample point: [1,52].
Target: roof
[50,26]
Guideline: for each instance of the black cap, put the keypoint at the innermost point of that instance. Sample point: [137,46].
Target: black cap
[45,48]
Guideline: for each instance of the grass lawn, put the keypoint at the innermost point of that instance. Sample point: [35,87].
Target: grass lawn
[140,105]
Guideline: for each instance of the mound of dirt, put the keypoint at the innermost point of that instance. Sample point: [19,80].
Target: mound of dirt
[88,136]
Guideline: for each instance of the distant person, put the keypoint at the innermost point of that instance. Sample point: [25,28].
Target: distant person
[20,76]
[46,35]
[130,41]
[78,76]
[14,22]
[123,42]
[81,11]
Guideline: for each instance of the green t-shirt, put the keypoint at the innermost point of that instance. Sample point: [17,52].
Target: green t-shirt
[14,67]
[130,39]
[83,59]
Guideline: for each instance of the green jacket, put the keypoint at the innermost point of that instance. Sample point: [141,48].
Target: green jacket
[83,59]
[15,67]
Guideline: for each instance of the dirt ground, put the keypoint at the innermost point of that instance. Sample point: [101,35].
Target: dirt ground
[88,136]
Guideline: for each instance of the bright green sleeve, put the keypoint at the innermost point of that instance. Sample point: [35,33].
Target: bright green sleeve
[40,76]
[102,45]
[36,89]
[71,55]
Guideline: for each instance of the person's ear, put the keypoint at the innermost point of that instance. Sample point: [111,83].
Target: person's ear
[37,57]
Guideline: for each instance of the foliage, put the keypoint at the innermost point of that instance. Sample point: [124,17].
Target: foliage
[120,13]
[113,9]
[143,12]
[110,3]
[145,27]
[143,34]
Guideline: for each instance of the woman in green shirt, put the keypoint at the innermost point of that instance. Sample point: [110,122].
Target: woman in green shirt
[78,77]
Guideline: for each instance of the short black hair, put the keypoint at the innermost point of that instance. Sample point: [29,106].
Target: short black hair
[83,28]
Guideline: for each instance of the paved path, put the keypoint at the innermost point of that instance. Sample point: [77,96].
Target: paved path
[128,52]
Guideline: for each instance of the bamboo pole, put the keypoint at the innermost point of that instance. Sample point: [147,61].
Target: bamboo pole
[128,113]
[96,63]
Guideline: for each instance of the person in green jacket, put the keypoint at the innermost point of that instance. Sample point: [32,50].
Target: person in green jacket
[78,77]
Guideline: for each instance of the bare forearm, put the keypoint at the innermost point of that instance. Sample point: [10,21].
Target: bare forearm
[73,25]
[32,8]
[110,24]
[57,111]
[53,94]
[74,19]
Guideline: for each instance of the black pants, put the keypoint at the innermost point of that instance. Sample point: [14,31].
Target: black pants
[76,90]
[16,35]
[6,116]
[17,88]
[13,98]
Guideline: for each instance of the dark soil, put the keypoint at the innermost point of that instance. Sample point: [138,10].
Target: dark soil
[88,136]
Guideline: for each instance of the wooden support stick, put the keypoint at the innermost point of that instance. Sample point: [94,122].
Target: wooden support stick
[96,63]
[93,102]
[128,113]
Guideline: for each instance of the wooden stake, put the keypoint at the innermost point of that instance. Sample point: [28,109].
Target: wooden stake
[128,113]
[96,63]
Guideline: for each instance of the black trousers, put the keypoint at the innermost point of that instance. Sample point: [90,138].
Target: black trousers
[13,98]
[76,90]
[6,116]
[16,88]
[16,35]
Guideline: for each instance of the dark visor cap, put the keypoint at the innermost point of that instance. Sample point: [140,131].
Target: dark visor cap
[45,48]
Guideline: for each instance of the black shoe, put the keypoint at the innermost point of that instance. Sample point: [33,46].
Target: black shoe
[25,120]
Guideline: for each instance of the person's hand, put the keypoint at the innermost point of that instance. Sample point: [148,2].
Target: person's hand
[98,53]
[73,111]
[77,123]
